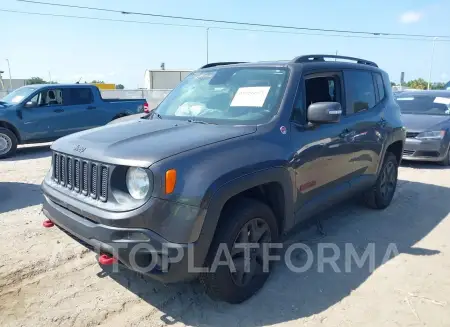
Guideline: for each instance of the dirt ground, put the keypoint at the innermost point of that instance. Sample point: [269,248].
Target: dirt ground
[47,279]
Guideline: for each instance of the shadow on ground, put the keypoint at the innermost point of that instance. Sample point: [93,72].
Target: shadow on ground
[415,212]
[30,152]
[423,165]
[15,196]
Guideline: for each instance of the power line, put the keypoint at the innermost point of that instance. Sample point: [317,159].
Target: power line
[214,27]
[232,22]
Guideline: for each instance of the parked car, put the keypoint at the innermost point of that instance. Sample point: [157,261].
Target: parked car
[426,115]
[42,113]
[235,154]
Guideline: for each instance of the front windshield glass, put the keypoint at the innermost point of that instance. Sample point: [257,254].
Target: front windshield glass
[424,104]
[238,95]
[18,95]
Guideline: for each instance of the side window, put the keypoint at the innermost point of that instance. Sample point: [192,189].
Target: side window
[78,96]
[317,89]
[52,97]
[360,91]
[380,86]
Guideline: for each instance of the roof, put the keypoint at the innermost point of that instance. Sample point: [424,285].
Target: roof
[61,85]
[316,61]
[435,93]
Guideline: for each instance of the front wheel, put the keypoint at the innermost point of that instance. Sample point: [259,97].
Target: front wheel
[246,221]
[8,143]
[380,195]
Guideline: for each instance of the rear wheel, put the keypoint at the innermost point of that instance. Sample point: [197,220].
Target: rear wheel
[8,143]
[381,194]
[245,221]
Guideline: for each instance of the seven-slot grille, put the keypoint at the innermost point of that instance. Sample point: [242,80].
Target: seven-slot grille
[83,176]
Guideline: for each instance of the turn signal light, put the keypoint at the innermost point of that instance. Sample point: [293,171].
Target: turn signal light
[171,180]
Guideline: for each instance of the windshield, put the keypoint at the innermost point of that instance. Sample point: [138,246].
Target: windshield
[18,95]
[238,95]
[424,104]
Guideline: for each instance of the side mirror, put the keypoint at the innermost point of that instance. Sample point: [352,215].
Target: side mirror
[30,104]
[324,112]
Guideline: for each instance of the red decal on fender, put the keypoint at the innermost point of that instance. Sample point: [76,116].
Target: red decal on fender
[307,185]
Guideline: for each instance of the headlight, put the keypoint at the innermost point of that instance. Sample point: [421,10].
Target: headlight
[138,183]
[434,135]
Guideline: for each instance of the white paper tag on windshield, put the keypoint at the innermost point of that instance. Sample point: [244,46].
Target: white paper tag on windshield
[442,100]
[17,98]
[250,96]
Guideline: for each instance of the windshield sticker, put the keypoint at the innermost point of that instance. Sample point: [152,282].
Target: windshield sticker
[250,96]
[17,98]
[405,99]
[442,100]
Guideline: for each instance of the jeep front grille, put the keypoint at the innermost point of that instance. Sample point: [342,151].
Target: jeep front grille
[82,176]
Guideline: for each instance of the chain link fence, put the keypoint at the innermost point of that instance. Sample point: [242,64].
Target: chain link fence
[153,97]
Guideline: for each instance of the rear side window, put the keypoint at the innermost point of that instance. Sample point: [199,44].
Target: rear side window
[380,86]
[78,96]
[359,90]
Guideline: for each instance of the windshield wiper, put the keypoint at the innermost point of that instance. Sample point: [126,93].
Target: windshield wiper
[152,114]
[200,122]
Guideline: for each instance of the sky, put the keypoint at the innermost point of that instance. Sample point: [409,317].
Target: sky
[70,49]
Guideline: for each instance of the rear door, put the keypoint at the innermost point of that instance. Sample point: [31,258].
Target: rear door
[78,110]
[366,127]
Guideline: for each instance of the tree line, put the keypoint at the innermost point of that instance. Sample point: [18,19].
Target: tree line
[422,84]
[39,80]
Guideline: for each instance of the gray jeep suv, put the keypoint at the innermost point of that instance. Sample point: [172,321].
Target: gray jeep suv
[232,159]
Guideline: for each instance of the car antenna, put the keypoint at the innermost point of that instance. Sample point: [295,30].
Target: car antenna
[79,80]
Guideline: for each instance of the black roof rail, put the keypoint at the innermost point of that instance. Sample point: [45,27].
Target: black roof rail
[214,64]
[309,58]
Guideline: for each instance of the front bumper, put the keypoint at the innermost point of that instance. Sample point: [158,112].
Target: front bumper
[136,248]
[425,150]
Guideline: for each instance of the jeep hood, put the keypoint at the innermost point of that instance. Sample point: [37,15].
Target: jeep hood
[143,142]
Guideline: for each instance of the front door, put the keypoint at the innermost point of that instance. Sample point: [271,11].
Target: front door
[41,122]
[321,151]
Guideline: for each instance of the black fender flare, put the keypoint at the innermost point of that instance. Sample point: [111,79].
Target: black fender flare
[399,134]
[212,206]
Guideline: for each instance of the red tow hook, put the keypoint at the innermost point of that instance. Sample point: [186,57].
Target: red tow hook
[47,223]
[106,260]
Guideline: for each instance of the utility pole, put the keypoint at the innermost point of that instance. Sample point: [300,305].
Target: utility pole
[431,64]
[9,71]
[207,45]
[49,77]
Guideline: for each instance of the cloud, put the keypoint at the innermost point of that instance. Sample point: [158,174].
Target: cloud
[410,17]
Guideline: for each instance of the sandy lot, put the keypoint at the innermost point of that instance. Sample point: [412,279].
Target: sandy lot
[47,279]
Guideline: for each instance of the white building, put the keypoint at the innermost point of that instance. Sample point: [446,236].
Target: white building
[163,79]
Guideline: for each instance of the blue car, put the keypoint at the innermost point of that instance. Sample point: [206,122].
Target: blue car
[43,113]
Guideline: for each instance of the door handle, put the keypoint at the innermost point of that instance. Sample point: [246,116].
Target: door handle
[91,107]
[59,110]
[382,122]
[344,133]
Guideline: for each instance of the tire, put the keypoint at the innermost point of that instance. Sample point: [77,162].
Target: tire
[446,161]
[8,143]
[377,197]
[221,284]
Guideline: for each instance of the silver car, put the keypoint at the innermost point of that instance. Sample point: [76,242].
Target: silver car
[426,116]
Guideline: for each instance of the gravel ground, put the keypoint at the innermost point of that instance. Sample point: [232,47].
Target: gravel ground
[47,279]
